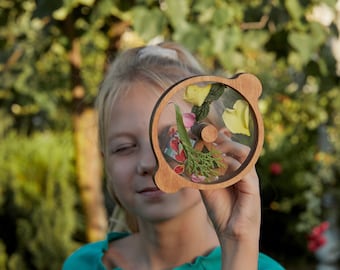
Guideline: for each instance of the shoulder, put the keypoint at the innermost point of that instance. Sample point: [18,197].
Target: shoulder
[212,261]
[89,256]
[267,263]
[86,257]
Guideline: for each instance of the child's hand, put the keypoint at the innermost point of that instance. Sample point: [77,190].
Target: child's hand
[236,211]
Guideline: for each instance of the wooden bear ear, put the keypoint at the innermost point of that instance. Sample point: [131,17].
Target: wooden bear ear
[225,113]
[249,85]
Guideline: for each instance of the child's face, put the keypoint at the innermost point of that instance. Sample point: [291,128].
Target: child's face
[130,161]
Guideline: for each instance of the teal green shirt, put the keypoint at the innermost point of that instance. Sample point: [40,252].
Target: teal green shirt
[89,257]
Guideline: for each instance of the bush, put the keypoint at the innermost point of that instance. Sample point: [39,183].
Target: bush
[37,200]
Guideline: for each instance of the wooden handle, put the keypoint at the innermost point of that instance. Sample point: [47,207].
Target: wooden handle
[205,132]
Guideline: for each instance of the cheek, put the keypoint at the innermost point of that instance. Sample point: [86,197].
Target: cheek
[119,174]
[119,166]
[119,182]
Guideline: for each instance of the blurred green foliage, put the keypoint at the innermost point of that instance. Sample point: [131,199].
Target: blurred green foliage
[282,42]
[38,200]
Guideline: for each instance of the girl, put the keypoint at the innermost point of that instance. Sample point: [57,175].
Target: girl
[189,229]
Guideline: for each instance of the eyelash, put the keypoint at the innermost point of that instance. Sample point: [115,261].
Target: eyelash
[124,148]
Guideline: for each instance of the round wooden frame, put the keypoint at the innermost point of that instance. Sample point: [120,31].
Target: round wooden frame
[250,88]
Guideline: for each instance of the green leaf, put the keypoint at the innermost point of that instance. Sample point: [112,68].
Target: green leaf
[88,3]
[177,12]
[181,128]
[191,36]
[197,162]
[148,23]
[223,15]
[101,9]
[201,112]
[61,13]
[255,40]
[225,39]
[318,33]
[201,6]
[46,8]
[216,91]
[294,9]
[303,43]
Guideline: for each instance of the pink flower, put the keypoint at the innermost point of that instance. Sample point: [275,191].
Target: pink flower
[197,178]
[189,119]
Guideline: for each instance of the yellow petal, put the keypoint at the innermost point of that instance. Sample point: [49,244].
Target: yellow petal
[195,94]
[237,119]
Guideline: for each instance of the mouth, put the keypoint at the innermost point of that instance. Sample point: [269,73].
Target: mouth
[150,191]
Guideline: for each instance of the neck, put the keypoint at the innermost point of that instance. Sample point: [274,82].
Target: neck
[177,241]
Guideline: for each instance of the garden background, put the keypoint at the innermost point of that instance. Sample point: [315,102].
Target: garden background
[52,58]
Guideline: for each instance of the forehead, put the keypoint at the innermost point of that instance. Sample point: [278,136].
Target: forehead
[134,104]
[137,96]
[132,108]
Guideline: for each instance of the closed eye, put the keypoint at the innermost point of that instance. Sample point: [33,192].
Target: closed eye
[124,149]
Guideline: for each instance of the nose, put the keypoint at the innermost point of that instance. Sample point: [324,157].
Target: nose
[147,161]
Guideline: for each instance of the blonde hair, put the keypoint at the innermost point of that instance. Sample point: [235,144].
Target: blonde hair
[161,66]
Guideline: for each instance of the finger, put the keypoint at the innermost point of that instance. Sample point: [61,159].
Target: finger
[231,148]
[249,184]
[232,163]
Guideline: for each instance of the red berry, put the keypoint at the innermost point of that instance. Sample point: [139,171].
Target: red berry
[275,168]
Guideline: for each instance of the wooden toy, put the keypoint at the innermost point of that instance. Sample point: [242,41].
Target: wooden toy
[198,109]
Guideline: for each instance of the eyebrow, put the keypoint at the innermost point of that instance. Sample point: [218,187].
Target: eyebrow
[114,135]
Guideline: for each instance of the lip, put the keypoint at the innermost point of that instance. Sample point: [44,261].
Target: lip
[150,191]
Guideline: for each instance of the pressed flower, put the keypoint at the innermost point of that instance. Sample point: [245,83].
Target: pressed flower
[202,111]
[237,118]
[175,149]
[174,142]
[180,156]
[179,169]
[172,131]
[195,94]
[197,178]
[189,119]
[197,162]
